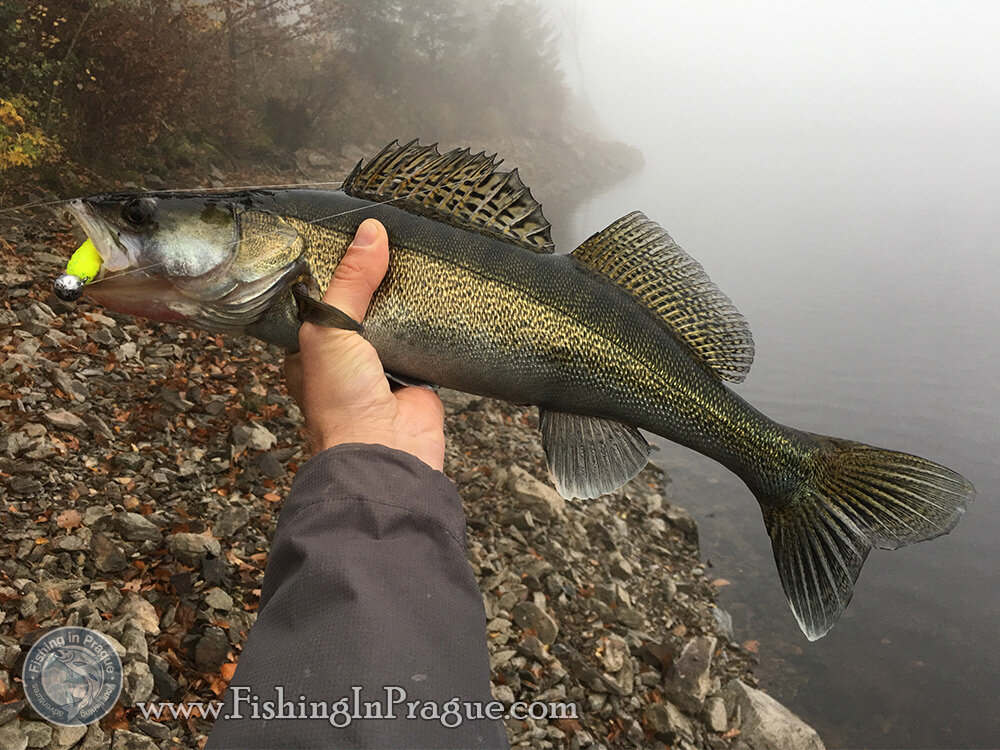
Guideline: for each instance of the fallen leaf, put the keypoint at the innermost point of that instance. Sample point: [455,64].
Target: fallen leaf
[69,519]
[218,684]
[752,646]
[569,726]
[115,720]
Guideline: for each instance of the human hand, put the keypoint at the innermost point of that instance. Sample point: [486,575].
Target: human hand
[338,380]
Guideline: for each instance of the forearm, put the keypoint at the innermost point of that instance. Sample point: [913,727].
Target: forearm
[367,585]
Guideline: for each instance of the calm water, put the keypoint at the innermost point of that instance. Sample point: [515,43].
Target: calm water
[871,286]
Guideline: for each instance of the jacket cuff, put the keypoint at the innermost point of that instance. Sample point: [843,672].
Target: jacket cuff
[377,474]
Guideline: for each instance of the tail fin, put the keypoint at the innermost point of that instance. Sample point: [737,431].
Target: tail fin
[855,497]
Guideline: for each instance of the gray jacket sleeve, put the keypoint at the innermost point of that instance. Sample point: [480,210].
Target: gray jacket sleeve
[368,608]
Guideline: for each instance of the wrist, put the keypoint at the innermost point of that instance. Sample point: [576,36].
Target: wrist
[427,450]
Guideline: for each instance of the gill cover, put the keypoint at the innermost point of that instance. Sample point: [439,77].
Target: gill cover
[216,261]
[265,258]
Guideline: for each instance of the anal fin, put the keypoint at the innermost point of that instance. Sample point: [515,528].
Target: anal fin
[590,456]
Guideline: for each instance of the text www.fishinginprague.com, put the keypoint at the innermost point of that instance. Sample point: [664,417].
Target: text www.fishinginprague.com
[391,704]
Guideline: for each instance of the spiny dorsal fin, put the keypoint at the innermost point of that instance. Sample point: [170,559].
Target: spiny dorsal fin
[638,255]
[458,187]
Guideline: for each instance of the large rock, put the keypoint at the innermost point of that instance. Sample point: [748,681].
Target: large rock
[137,528]
[765,724]
[667,722]
[137,683]
[108,556]
[230,521]
[66,737]
[134,641]
[64,420]
[191,549]
[543,501]
[690,681]
[253,436]
[12,737]
[166,687]
[10,710]
[316,159]
[212,649]
[145,612]
[715,714]
[95,739]
[614,653]
[681,520]
[126,740]
[39,733]
[216,598]
[529,616]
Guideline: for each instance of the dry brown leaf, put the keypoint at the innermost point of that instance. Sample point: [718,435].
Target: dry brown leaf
[218,684]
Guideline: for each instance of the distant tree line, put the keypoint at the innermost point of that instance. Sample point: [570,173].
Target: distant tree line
[166,80]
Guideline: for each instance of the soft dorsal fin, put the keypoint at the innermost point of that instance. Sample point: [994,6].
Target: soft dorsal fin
[638,255]
[458,187]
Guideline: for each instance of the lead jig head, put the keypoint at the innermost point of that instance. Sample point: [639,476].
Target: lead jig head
[68,287]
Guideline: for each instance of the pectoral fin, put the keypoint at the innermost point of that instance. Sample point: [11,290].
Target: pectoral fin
[589,456]
[320,313]
[407,382]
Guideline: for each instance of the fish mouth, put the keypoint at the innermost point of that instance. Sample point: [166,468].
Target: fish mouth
[115,251]
[120,284]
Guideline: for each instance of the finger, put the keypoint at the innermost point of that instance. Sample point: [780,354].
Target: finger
[422,401]
[360,271]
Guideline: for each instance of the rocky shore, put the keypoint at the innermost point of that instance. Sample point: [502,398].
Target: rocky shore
[142,471]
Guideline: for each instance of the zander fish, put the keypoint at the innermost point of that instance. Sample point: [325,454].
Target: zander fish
[626,332]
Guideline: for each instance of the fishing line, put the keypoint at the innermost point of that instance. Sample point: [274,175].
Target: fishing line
[119,274]
[199,189]
[248,187]
[235,242]
[322,218]
[37,204]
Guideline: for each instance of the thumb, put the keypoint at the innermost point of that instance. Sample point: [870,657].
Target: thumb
[360,271]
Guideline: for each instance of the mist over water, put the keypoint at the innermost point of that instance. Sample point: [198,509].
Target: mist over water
[836,169]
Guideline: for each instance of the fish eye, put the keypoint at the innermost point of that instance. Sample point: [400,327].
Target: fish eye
[138,211]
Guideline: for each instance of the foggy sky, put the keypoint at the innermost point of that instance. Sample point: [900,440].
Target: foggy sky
[850,65]
[768,124]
